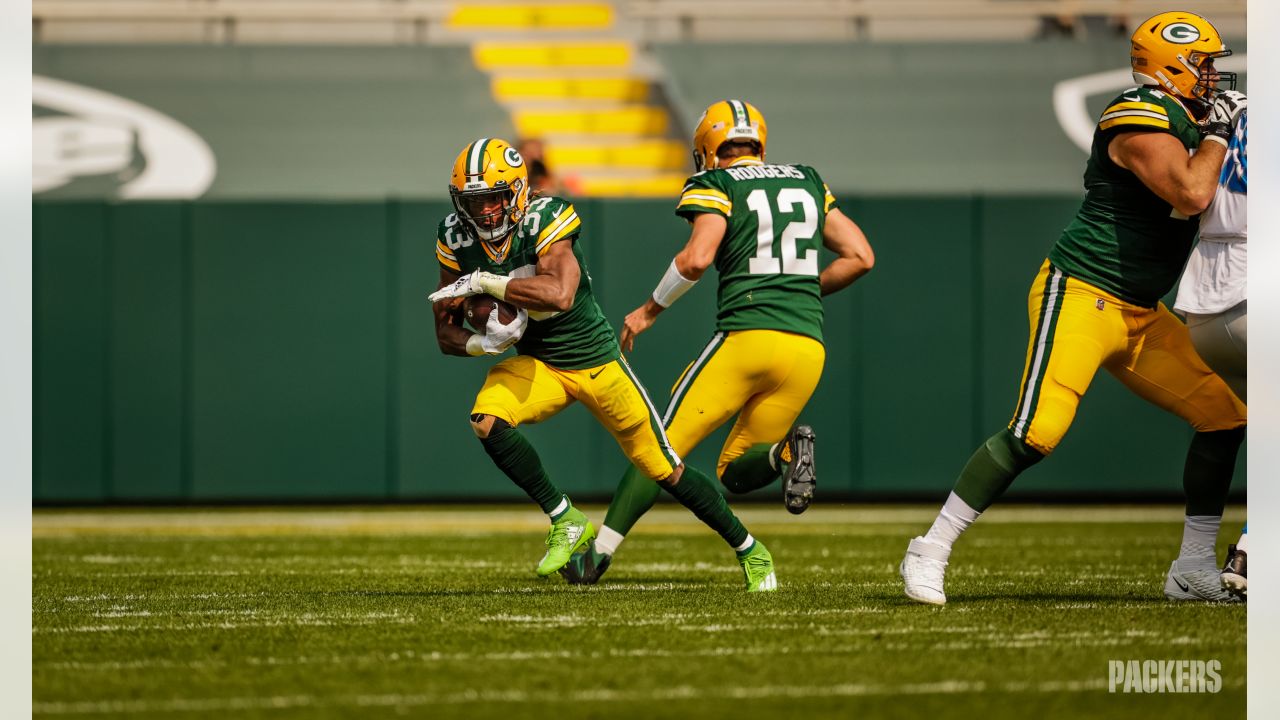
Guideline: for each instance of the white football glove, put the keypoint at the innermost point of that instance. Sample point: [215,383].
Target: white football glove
[498,337]
[473,283]
[1224,112]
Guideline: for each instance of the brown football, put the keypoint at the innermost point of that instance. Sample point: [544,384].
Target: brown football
[478,307]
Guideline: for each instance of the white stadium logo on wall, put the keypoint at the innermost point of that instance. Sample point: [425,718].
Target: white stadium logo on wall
[1070,96]
[1180,33]
[81,132]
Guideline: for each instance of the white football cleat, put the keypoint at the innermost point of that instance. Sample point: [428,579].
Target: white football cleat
[923,570]
[1198,579]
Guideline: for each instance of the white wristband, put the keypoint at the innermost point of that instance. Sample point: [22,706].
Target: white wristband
[495,285]
[672,286]
[474,349]
[1221,141]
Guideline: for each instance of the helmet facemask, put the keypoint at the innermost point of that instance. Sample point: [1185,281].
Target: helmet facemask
[1210,81]
[490,213]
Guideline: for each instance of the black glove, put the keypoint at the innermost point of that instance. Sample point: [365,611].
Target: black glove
[1224,112]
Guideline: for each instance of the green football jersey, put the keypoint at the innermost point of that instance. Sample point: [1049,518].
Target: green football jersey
[769,259]
[578,338]
[1125,239]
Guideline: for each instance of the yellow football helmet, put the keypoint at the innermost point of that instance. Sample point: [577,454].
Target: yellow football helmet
[1175,51]
[725,121]
[490,188]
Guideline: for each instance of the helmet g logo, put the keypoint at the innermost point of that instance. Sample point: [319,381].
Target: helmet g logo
[512,156]
[1180,33]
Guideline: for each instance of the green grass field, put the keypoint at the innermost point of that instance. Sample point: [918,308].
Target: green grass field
[435,612]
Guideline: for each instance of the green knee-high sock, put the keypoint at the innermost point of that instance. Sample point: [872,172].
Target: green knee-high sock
[1206,477]
[993,467]
[515,456]
[751,471]
[697,492]
[633,498]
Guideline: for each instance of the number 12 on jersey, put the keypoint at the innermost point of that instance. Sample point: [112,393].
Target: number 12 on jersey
[764,263]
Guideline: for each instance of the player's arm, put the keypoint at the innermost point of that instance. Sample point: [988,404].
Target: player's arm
[1161,163]
[450,333]
[686,269]
[554,283]
[854,256]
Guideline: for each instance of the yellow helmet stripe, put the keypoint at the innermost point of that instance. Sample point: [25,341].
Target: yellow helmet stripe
[475,156]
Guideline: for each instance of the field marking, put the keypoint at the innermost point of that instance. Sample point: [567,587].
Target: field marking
[302,620]
[680,692]
[435,520]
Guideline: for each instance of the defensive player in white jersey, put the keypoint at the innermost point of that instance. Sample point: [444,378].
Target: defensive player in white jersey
[1213,295]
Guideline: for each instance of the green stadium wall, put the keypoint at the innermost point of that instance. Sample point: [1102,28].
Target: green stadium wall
[262,351]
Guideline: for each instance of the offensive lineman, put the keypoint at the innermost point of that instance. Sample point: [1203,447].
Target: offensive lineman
[524,251]
[761,225]
[1096,303]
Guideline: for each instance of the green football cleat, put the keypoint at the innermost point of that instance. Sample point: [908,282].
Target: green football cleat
[757,567]
[567,535]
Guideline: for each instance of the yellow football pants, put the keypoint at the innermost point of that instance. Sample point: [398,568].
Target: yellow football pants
[766,376]
[1077,328]
[522,389]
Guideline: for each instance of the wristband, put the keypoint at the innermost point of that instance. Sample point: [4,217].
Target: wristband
[672,286]
[1218,139]
[474,349]
[495,285]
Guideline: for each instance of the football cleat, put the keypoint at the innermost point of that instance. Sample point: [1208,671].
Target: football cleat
[923,571]
[757,569]
[586,566]
[567,535]
[1196,579]
[1234,578]
[799,478]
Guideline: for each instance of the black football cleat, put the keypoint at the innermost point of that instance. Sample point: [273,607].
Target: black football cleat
[586,566]
[799,479]
[1234,575]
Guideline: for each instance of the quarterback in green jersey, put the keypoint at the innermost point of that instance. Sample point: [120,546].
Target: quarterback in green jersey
[1153,169]
[762,226]
[524,251]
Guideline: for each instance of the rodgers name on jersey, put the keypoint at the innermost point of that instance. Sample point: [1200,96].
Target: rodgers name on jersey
[768,260]
[1125,239]
[578,338]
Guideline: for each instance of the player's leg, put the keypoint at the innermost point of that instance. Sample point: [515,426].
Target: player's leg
[710,390]
[765,444]
[616,397]
[524,390]
[1222,341]
[1071,335]
[1164,369]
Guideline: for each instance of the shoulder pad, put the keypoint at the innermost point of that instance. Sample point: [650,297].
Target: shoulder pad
[1137,108]
[557,220]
